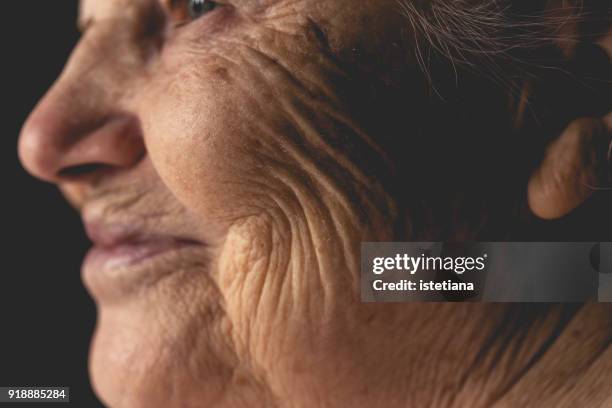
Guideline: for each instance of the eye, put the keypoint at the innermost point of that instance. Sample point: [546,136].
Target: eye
[198,8]
[184,11]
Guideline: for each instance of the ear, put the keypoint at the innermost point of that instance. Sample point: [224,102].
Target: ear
[578,163]
[575,166]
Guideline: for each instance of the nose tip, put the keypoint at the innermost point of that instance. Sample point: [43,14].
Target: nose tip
[38,149]
[55,147]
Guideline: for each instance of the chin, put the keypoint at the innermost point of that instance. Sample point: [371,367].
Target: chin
[162,348]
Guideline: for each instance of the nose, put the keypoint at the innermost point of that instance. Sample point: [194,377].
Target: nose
[57,146]
[81,126]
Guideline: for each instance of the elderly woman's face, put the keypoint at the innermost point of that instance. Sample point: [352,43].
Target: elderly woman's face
[228,158]
[213,149]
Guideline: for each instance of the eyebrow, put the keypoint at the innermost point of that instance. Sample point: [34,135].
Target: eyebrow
[84,17]
[83,24]
[91,10]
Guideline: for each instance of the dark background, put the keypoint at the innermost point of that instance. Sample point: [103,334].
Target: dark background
[46,316]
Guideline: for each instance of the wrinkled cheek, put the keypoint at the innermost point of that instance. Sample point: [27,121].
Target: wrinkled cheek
[193,137]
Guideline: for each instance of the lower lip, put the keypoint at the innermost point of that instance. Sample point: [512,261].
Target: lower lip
[115,270]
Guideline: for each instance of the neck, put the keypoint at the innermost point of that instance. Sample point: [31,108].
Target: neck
[477,355]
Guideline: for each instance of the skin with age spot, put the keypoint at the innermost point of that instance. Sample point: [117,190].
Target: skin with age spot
[257,145]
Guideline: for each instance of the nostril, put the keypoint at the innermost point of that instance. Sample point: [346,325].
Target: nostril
[82,170]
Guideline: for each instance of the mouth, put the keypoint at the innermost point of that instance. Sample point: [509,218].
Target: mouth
[125,258]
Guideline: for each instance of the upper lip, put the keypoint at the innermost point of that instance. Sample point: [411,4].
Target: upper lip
[108,235]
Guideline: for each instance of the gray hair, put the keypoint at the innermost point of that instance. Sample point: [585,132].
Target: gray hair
[492,37]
